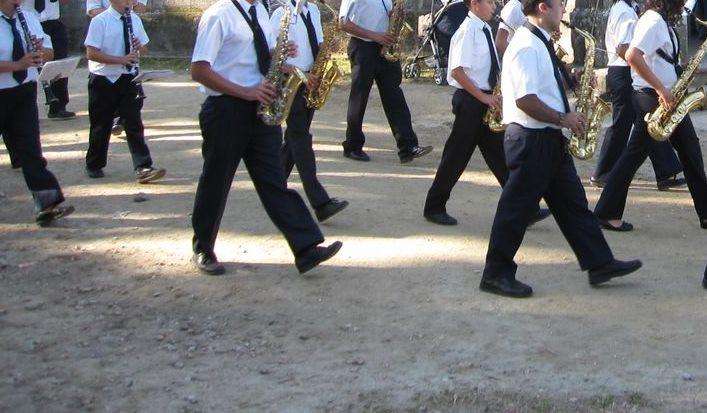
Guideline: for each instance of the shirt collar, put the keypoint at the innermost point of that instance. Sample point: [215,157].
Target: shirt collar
[14,15]
[543,31]
[305,6]
[475,20]
[246,5]
[115,13]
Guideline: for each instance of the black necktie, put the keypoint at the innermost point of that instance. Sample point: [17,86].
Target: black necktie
[493,73]
[39,5]
[18,51]
[126,38]
[261,44]
[311,33]
[559,69]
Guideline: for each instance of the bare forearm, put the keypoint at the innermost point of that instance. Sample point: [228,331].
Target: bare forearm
[538,110]
[98,56]
[460,76]
[8,67]
[621,51]
[356,30]
[201,72]
[635,60]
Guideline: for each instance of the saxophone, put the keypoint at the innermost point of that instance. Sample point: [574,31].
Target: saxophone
[494,118]
[285,84]
[324,71]
[399,30]
[662,122]
[589,103]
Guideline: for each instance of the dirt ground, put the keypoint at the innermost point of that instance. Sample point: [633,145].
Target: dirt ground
[104,311]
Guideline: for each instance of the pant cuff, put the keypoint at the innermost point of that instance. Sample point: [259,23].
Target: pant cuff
[46,198]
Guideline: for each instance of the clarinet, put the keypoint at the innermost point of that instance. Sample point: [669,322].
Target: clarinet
[32,49]
[133,69]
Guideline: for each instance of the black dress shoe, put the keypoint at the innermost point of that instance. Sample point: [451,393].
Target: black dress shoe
[207,263]
[357,155]
[506,287]
[315,256]
[51,214]
[330,209]
[542,214]
[94,173]
[624,227]
[666,184]
[441,218]
[599,183]
[61,114]
[415,152]
[703,223]
[613,269]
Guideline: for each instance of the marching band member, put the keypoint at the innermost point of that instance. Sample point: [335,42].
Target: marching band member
[111,89]
[535,108]
[306,33]
[619,30]
[231,58]
[49,15]
[474,71]
[367,23]
[93,9]
[512,18]
[653,56]
[19,119]
[96,7]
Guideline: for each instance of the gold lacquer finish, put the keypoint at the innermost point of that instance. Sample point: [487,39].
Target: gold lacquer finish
[325,71]
[661,122]
[589,103]
[286,84]
[494,118]
[399,30]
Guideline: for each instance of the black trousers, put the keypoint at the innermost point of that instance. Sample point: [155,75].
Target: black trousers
[612,202]
[665,162]
[232,131]
[541,167]
[19,126]
[367,66]
[468,132]
[297,150]
[56,30]
[104,99]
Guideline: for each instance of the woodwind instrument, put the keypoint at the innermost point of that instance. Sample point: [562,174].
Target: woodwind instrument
[133,69]
[32,48]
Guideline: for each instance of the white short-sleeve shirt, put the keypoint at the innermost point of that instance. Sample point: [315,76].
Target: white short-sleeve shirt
[528,70]
[469,50]
[104,4]
[298,33]
[368,14]
[651,34]
[225,40]
[619,30]
[512,17]
[51,9]
[105,32]
[6,42]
